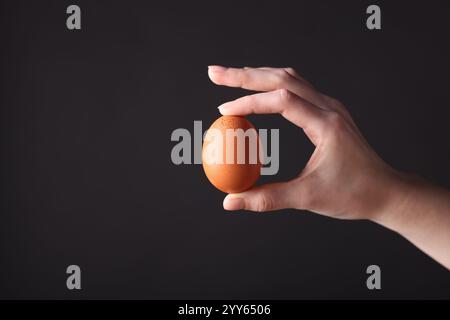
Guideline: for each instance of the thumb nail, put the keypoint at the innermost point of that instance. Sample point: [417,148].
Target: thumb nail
[216,68]
[232,203]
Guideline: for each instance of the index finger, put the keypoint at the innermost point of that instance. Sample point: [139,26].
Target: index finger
[292,107]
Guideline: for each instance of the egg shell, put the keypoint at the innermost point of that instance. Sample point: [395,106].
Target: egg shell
[230,177]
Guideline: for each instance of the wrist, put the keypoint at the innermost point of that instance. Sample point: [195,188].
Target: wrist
[400,193]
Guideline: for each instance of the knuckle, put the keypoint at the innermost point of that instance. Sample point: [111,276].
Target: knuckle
[243,78]
[264,203]
[248,100]
[282,77]
[334,103]
[335,121]
[290,70]
[285,95]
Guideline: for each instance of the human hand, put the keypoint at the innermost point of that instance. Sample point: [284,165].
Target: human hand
[344,177]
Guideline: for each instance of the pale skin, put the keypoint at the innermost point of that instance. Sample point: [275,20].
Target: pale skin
[344,177]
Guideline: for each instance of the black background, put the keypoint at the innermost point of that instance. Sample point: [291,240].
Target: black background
[85,146]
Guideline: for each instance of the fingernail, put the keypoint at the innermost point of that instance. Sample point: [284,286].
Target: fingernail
[216,68]
[232,203]
[222,107]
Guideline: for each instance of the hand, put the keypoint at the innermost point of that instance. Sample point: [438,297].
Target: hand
[344,177]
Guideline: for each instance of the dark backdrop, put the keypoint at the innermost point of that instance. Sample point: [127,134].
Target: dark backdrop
[86,118]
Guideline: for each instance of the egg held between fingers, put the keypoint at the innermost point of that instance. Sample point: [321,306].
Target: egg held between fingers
[231,154]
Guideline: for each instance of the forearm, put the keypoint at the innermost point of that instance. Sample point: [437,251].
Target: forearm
[420,212]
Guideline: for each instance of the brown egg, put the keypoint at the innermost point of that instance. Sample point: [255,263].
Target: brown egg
[231,154]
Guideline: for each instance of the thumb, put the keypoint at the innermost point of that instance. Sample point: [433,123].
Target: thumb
[263,198]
